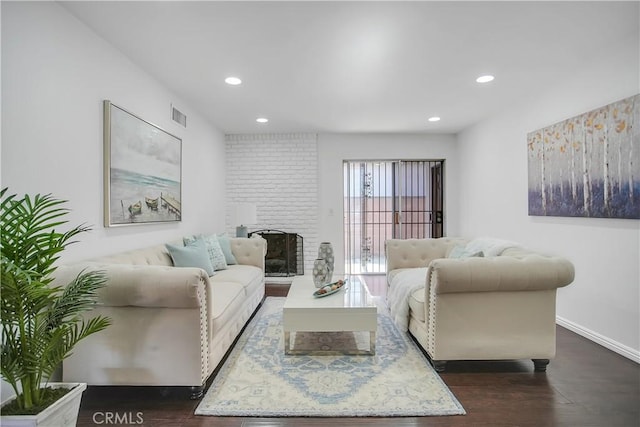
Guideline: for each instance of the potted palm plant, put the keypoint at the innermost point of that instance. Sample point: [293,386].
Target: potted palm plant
[41,323]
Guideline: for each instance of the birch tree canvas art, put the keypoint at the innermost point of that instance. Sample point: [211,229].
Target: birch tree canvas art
[588,165]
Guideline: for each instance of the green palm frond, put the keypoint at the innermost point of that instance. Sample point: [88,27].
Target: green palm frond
[41,324]
[77,297]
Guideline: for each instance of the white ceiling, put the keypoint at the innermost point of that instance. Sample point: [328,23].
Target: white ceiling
[358,66]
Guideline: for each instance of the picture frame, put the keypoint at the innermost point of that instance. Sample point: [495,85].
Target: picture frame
[142,170]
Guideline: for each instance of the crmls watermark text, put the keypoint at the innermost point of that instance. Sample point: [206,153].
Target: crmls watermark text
[109,417]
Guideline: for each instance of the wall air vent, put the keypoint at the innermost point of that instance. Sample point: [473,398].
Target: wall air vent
[178,116]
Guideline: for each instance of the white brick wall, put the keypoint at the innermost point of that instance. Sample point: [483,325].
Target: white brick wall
[279,174]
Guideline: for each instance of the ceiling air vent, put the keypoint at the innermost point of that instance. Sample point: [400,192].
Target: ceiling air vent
[178,116]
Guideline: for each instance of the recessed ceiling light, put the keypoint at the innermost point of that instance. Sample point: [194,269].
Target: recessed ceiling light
[262,120]
[434,119]
[234,81]
[485,79]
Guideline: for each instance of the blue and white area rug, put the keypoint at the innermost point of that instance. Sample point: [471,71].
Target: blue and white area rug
[258,380]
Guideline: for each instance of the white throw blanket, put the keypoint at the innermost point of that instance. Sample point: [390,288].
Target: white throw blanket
[404,284]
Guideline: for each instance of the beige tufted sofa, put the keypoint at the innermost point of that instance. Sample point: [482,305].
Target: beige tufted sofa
[492,307]
[171,325]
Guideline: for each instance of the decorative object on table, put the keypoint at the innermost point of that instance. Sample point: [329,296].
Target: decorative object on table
[320,272]
[398,381]
[41,323]
[141,162]
[243,214]
[329,288]
[587,166]
[325,251]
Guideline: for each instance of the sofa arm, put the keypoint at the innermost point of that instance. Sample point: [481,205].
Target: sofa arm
[249,251]
[499,274]
[143,285]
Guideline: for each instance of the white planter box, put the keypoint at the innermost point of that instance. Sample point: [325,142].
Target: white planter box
[62,413]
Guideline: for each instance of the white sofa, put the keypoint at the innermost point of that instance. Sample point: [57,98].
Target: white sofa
[500,305]
[171,325]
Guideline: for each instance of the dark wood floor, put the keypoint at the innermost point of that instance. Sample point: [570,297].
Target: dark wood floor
[586,385]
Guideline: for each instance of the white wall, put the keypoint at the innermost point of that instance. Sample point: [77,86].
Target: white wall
[603,302]
[333,149]
[279,174]
[55,74]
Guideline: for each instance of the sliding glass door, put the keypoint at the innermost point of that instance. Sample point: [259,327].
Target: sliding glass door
[389,199]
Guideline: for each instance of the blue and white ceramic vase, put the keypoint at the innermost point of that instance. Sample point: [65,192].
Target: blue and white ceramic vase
[320,273]
[325,251]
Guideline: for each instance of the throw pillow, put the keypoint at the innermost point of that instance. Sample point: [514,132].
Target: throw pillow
[193,255]
[456,252]
[216,257]
[489,246]
[460,252]
[225,244]
[215,252]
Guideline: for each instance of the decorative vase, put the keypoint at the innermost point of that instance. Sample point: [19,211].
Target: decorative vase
[320,276]
[325,251]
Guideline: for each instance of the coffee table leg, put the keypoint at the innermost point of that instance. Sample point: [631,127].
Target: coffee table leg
[372,342]
[287,342]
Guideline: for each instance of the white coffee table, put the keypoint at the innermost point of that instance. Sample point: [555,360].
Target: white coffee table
[350,309]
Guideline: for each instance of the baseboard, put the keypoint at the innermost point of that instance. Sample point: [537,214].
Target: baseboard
[612,345]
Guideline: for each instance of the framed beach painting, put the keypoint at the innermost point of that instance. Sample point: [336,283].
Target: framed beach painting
[588,165]
[142,170]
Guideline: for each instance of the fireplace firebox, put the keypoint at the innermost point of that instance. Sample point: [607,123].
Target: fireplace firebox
[285,251]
